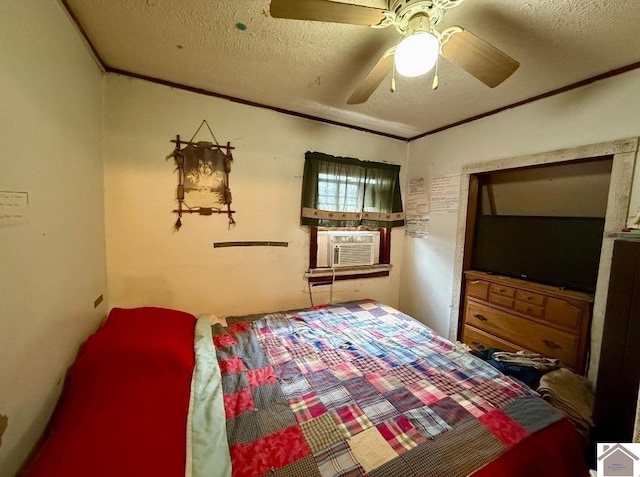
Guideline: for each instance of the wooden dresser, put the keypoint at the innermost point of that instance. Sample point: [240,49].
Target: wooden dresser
[513,314]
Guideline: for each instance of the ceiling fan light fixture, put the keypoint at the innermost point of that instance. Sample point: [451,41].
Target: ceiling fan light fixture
[417,52]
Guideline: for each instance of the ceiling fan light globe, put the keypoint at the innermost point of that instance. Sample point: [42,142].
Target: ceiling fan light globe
[416,54]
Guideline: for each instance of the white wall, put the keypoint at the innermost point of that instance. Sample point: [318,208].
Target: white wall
[578,189]
[53,267]
[603,111]
[150,264]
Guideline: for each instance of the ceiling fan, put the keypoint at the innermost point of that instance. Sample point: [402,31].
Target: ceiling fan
[421,43]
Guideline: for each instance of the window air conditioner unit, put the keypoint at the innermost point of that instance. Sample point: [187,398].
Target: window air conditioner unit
[351,249]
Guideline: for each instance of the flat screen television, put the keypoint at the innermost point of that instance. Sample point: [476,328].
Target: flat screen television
[558,251]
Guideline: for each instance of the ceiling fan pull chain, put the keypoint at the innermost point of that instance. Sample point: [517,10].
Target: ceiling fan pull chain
[393,79]
[435,83]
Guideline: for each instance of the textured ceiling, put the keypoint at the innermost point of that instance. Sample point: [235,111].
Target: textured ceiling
[311,68]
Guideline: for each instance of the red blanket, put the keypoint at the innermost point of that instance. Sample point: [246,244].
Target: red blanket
[124,407]
[553,452]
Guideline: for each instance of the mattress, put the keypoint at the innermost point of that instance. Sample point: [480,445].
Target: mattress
[352,389]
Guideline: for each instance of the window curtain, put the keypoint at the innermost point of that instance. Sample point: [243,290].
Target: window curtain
[347,192]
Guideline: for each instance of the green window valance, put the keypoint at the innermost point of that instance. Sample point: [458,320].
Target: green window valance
[348,192]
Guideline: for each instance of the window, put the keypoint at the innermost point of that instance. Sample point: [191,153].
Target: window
[351,206]
[335,192]
[347,192]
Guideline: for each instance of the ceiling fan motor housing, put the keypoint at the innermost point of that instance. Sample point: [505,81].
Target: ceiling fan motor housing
[406,10]
[418,22]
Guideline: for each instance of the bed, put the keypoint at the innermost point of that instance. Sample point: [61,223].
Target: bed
[351,389]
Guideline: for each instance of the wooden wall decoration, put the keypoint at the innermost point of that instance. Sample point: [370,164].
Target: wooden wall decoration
[203,177]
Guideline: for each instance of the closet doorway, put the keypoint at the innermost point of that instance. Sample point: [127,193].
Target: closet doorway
[542,223]
[542,185]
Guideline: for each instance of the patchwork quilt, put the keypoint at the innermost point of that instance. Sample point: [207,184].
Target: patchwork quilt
[362,389]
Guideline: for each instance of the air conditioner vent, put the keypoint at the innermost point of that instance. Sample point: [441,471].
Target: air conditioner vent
[350,250]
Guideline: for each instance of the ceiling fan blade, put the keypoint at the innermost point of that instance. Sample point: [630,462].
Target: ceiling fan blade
[371,82]
[326,11]
[479,58]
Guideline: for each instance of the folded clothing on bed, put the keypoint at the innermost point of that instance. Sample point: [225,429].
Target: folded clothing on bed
[572,394]
[528,359]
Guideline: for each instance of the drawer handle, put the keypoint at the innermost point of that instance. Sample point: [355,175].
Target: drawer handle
[551,344]
[477,344]
[474,282]
[480,317]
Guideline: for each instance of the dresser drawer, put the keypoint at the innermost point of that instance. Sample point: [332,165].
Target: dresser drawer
[501,300]
[477,288]
[533,336]
[563,313]
[529,309]
[501,295]
[479,340]
[498,289]
[529,297]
